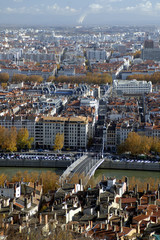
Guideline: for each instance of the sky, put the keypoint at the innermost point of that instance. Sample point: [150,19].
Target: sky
[79,12]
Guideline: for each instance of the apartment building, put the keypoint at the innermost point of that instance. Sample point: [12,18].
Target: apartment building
[75,130]
[132,87]
[151,54]
[19,122]
[96,55]
[10,190]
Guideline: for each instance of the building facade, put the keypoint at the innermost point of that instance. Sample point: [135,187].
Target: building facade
[132,87]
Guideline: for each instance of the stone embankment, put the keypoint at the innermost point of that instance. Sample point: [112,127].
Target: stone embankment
[111,164]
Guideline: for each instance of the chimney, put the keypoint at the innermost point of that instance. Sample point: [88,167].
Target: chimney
[45,219]
[126,181]
[55,216]
[107,227]
[91,224]
[121,225]
[120,203]
[34,193]
[40,218]
[31,198]
[136,189]
[114,228]
[117,238]
[7,225]
[107,209]
[81,184]
[12,220]
[127,189]
[98,214]
[138,227]
[11,206]
[75,187]
[115,212]
[20,229]
[25,202]
[2,225]
[101,226]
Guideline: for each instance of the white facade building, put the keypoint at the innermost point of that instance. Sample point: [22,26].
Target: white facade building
[75,130]
[132,86]
[96,55]
[11,190]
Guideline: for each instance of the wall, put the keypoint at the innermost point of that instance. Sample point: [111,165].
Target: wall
[130,165]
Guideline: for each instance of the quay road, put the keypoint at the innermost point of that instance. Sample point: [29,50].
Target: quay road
[69,160]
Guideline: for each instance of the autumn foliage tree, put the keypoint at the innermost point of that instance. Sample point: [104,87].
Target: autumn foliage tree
[154,78]
[58,142]
[4,77]
[23,140]
[18,78]
[90,78]
[8,139]
[35,78]
[136,144]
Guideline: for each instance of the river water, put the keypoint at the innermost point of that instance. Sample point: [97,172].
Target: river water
[140,175]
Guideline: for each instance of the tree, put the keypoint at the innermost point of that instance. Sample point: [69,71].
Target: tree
[50,181]
[58,142]
[18,78]
[137,54]
[4,77]
[136,144]
[35,78]
[23,140]
[133,142]
[155,145]
[3,85]
[9,139]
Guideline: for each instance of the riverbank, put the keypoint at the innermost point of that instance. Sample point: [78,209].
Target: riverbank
[107,164]
[138,166]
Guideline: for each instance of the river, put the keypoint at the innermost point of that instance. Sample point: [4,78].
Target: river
[141,175]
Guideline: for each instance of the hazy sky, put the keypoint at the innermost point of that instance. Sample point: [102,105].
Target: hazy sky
[75,12]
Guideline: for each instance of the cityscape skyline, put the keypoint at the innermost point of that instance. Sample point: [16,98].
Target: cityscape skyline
[79,13]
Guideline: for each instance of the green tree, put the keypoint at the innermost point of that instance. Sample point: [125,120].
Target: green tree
[58,142]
